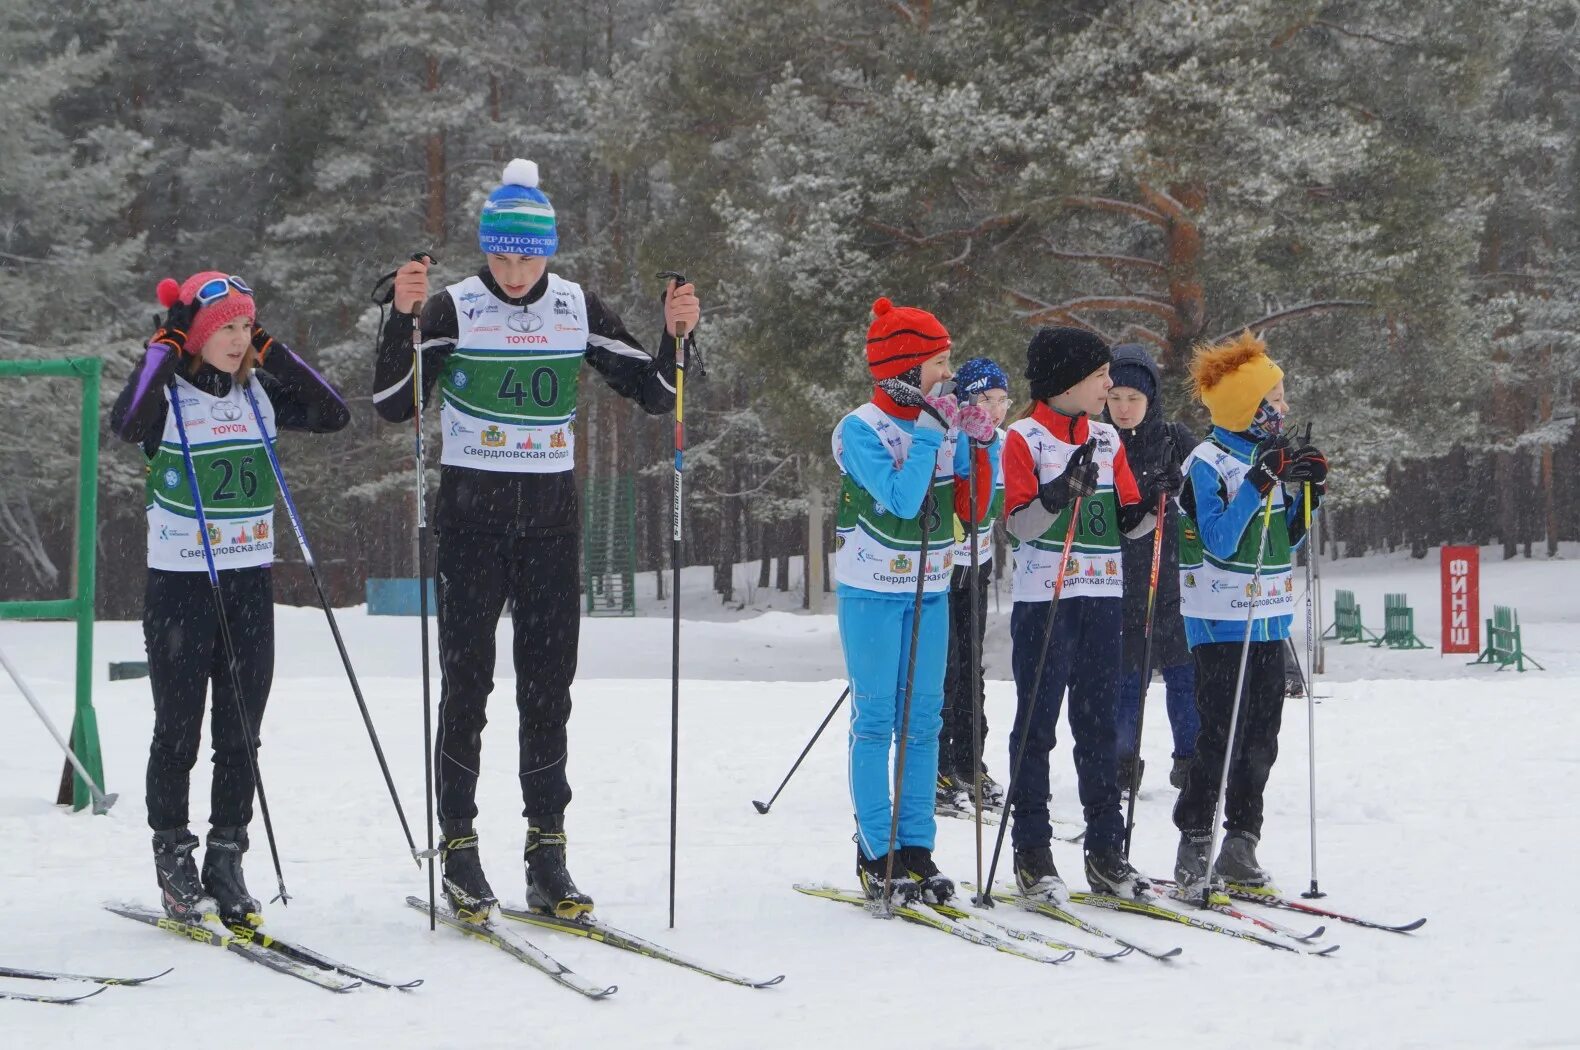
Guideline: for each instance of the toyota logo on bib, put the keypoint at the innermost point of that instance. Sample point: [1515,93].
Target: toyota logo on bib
[228,411]
[523,321]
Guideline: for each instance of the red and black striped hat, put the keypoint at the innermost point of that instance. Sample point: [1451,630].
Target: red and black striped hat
[902,337]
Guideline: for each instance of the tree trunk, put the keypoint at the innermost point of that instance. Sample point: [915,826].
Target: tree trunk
[433,222]
[814,545]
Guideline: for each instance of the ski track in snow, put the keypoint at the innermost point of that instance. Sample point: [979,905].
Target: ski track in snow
[1453,780]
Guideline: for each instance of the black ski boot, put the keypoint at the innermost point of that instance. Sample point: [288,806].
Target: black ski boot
[1178,772]
[992,790]
[902,889]
[1190,864]
[465,886]
[950,792]
[222,878]
[918,862]
[1109,871]
[1237,863]
[549,886]
[180,892]
[1037,878]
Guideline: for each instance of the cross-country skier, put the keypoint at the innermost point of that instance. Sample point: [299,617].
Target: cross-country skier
[981,382]
[1228,479]
[895,453]
[207,352]
[1152,448]
[1055,455]
[506,347]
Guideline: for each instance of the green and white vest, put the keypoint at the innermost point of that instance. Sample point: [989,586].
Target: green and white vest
[875,549]
[1095,567]
[510,385]
[1213,588]
[234,480]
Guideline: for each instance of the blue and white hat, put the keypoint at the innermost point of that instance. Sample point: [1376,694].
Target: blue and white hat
[517,218]
[979,375]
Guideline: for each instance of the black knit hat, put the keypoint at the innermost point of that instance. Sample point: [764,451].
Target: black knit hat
[1059,358]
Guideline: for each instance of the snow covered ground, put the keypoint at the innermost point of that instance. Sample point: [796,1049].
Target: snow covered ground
[1452,780]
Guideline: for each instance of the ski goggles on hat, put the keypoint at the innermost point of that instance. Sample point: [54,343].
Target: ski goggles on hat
[213,291]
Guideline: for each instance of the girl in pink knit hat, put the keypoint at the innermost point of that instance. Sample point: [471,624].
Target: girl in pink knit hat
[211,388]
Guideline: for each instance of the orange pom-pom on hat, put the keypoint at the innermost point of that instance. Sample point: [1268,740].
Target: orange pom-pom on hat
[902,337]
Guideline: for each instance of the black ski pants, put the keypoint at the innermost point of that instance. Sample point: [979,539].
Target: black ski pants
[954,744]
[185,654]
[540,576]
[1217,669]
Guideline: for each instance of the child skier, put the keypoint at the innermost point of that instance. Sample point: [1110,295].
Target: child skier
[1153,448]
[980,382]
[896,456]
[1055,457]
[1245,461]
[207,355]
[506,346]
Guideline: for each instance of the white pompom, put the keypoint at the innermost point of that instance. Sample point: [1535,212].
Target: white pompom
[521,173]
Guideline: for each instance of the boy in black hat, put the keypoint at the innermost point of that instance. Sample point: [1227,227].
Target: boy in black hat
[1058,462]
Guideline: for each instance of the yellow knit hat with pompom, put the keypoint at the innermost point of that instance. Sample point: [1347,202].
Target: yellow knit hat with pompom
[1233,377]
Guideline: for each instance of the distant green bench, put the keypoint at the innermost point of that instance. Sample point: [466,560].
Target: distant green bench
[1346,627]
[1504,646]
[1398,625]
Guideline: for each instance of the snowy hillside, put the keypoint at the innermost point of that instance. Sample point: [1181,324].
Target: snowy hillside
[1445,791]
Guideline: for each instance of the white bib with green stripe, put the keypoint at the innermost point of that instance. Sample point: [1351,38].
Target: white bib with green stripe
[1095,567]
[989,515]
[1213,588]
[234,480]
[510,385]
[874,548]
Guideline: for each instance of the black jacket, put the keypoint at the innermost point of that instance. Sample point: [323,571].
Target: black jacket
[1151,447]
[497,501]
[302,399]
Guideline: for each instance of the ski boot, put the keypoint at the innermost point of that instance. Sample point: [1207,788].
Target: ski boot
[1237,864]
[1037,878]
[180,892]
[1190,868]
[223,881]
[950,792]
[1108,871]
[992,790]
[901,890]
[549,886]
[465,885]
[918,862]
[1178,772]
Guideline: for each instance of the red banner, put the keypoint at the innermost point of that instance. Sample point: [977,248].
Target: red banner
[1462,599]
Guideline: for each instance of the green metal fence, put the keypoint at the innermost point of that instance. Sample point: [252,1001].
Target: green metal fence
[78,607]
[609,546]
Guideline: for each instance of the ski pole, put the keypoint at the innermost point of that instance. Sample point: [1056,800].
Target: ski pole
[682,337]
[974,660]
[420,490]
[334,628]
[1239,694]
[1146,663]
[385,297]
[1310,681]
[928,514]
[764,807]
[230,648]
[984,897]
[101,801]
